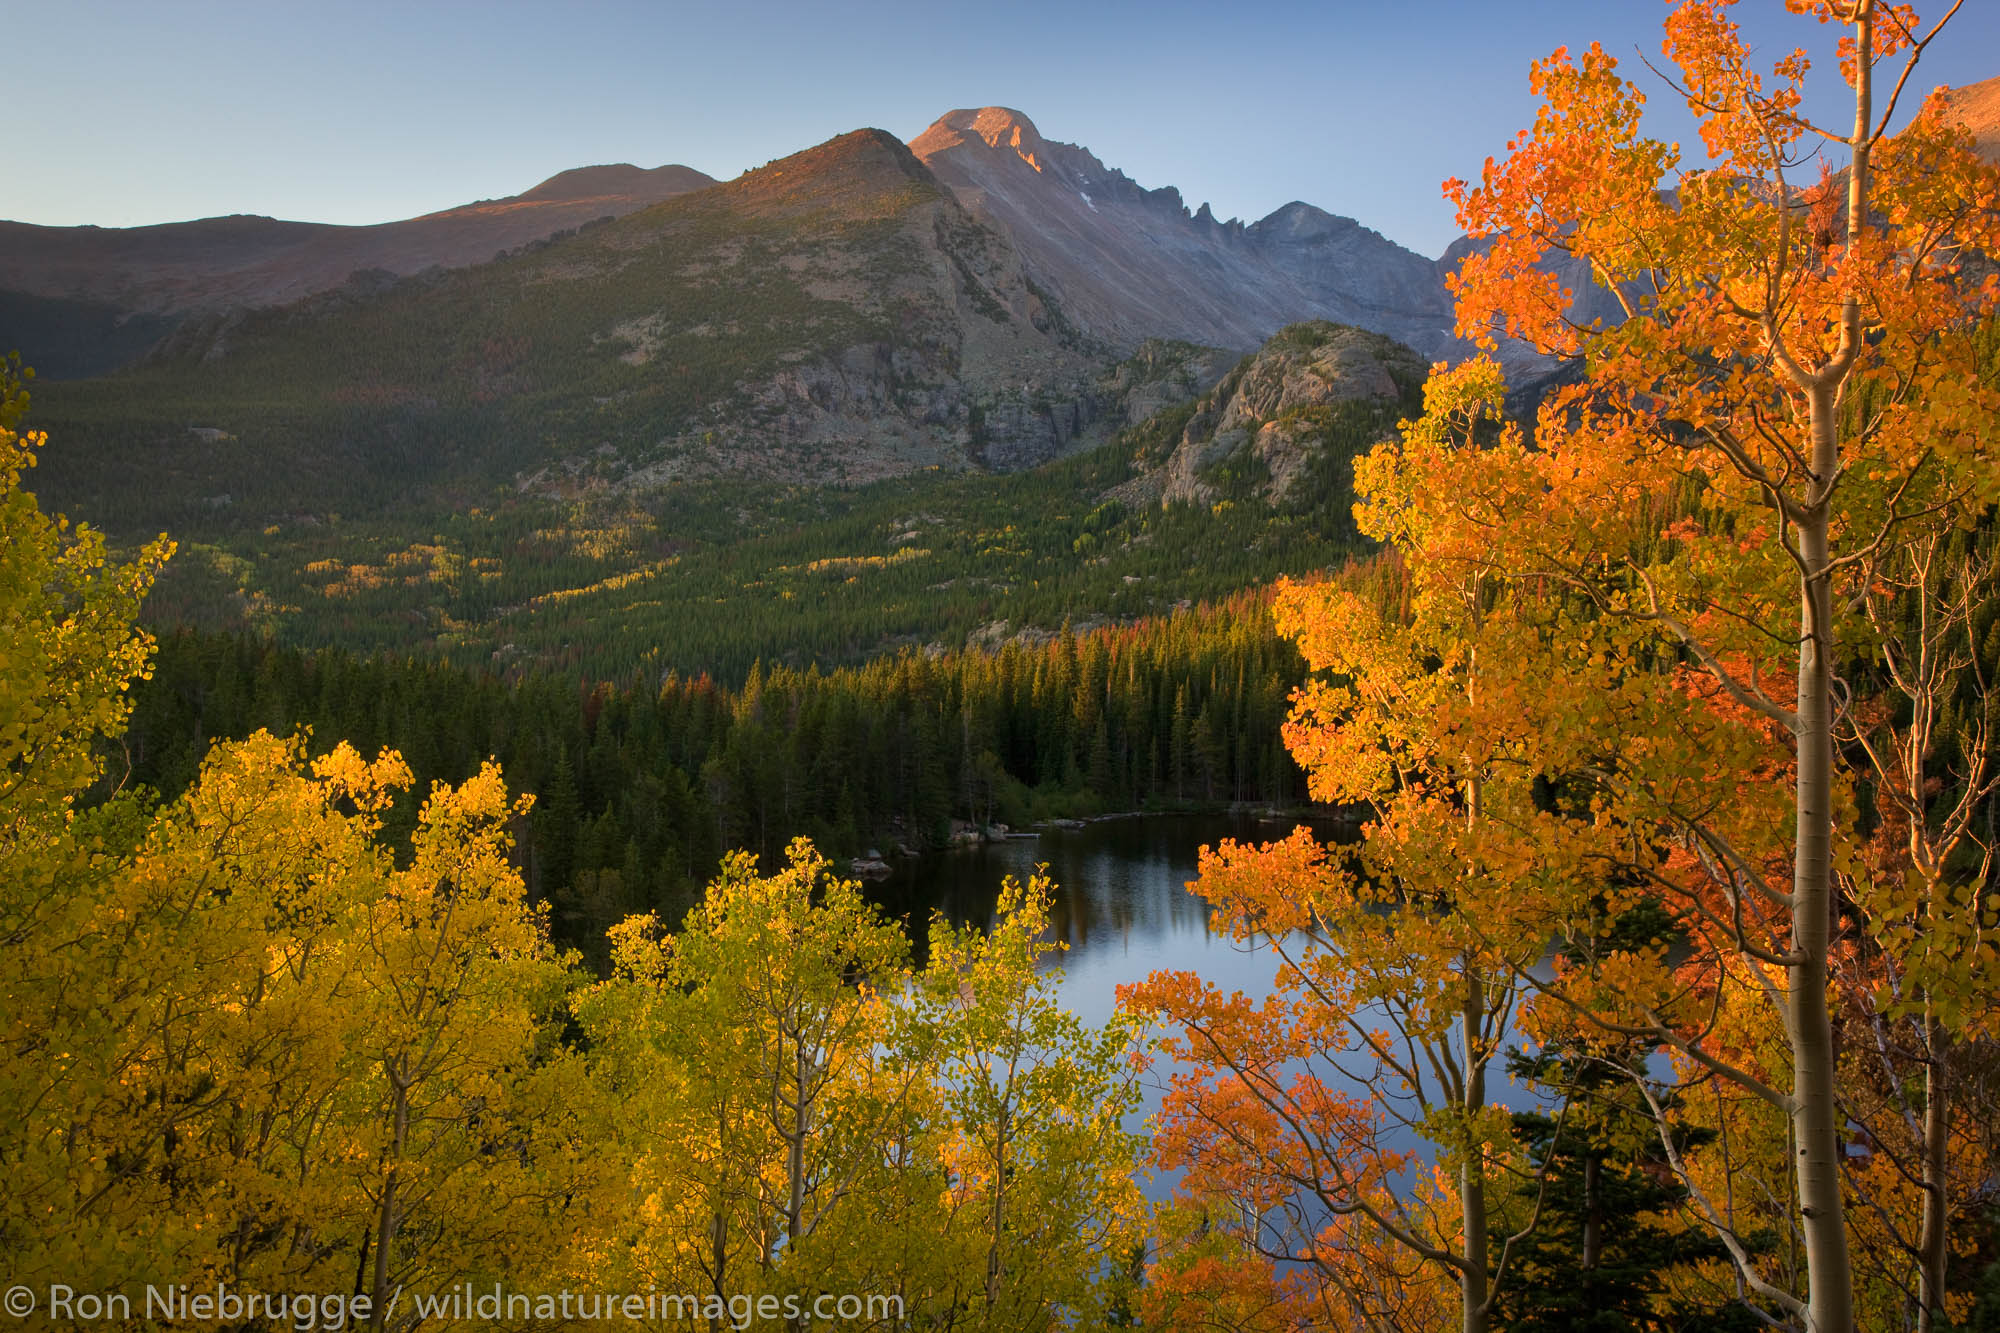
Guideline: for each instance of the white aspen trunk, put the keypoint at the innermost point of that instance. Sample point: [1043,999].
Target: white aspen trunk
[386,1221]
[1933,1247]
[795,1148]
[1474,1297]
[1816,1121]
[795,1158]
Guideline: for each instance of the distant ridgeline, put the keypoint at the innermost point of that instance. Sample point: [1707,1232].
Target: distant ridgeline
[641,788]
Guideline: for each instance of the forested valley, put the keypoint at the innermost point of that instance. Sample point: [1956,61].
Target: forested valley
[641,787]
[711,576]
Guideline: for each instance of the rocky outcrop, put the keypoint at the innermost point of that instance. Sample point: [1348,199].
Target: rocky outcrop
[1275,411]
[969,362]
[879,410]
[1017,430]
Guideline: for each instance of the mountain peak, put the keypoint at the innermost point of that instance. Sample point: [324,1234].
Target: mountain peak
[863,172]
[1130,263]
[1000,128]
[1976,108]
[620,179]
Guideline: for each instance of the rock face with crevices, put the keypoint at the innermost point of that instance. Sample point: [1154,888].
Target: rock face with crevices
[1127,263]
[1275,417]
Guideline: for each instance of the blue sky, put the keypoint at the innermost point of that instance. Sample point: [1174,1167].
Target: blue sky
[123,114]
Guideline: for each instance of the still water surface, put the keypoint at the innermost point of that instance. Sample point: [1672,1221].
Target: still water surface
[1123,907]
[1121,899]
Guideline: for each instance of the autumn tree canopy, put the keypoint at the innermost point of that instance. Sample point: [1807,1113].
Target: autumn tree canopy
[1798,367]
[253,1039]
[1624,665]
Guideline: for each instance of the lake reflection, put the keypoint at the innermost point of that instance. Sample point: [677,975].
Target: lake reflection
[1123,907]
[1121,902]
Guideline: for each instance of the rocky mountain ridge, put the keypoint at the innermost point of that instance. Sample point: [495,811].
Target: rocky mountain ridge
[1124,263]
[834,317]
[247,260]
[102,294]
[1976,107]
[859,310]
[1130,263]
[1305,400]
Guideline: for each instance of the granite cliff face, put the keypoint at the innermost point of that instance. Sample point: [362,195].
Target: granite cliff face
[1127,263]
[1305,401]
[924,344]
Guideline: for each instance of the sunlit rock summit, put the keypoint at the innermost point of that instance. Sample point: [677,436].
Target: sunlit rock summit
[1126,263]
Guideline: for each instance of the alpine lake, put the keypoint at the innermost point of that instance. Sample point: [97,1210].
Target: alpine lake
[1122,907]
